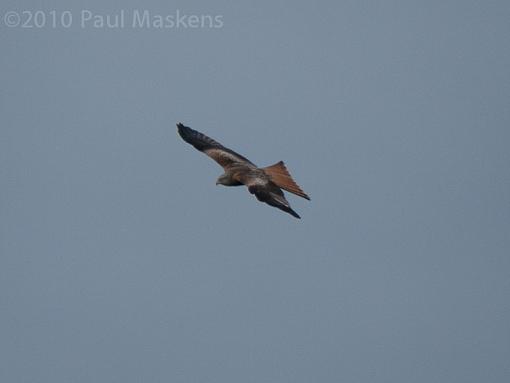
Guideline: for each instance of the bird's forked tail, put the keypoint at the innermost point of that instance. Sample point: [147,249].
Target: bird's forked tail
[282,178]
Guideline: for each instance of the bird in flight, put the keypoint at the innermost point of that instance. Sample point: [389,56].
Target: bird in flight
[265,183]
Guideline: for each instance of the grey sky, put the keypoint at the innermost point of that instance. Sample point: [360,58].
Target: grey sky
[121,261]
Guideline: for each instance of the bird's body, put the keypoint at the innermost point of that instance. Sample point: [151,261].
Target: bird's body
[265,183]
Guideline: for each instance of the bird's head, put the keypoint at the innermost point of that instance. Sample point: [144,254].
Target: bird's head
[227,180]
[224,179]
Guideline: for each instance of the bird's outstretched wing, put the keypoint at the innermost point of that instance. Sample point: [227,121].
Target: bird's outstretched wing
[272,195]
[222,155]
[266,191]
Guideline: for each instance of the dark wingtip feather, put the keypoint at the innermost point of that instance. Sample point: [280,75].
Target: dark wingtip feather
[192,137]
[184,131]
[293,213]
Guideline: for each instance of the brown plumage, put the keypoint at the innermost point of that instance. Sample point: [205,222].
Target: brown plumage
[282,178]
[265,183]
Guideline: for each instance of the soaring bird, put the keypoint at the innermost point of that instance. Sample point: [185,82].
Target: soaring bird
[265,183]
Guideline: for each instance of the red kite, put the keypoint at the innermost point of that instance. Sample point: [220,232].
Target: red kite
[266,183]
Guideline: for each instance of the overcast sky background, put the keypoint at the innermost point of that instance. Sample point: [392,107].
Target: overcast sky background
[121,261]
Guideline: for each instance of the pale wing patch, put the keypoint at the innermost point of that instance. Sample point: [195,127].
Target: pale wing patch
[280,199]
[223,157]
[258,181]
